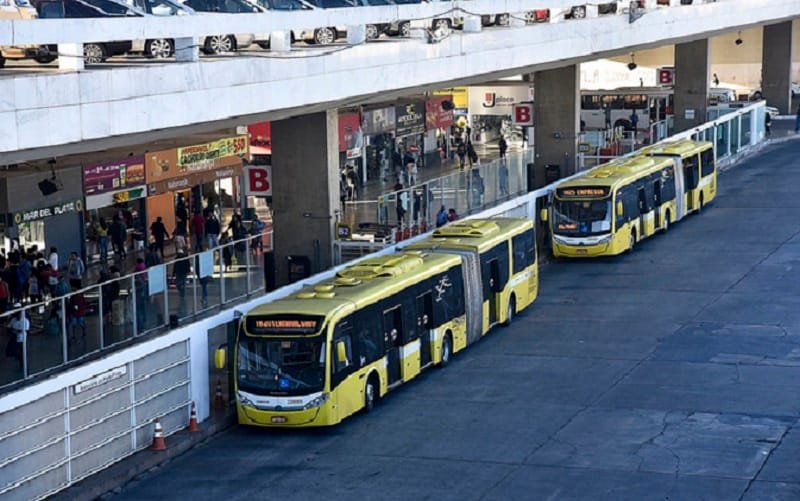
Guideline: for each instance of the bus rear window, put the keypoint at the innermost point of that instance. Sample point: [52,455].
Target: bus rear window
[260,325]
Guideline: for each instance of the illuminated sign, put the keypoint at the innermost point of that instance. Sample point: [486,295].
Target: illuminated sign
[583,192]
[283,324]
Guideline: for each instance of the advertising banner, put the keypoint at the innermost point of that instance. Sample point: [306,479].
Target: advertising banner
[111,176]
[378,121]
[410,119]
[459,96]
[498,100]
[435,116]
[205,156]
[350,136]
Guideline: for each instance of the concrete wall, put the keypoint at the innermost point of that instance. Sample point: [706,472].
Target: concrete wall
[98,104]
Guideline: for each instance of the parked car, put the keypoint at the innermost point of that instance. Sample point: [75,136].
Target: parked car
[158,48]
[218,44]
[21,9]
[93,52]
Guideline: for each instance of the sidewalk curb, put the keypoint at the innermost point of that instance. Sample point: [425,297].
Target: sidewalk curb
[112,480]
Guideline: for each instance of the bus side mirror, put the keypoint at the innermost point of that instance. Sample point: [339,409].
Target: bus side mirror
[341,354]
[619,209]
[543,215]
[219,357]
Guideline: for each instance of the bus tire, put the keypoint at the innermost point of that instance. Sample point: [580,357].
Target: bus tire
[447,349]
[701,205]
[633,240]
[512,310]
[371,393]
[666,223]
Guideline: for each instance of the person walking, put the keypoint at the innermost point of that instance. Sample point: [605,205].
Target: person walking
[119,234]
[179,237]
[102,240]
[53,258]
[257,230]
[212,229]
[199,229]
[180,271]
[159,233]
[441,217]
[472,154]
[75,271]
[502,146]
[19,327]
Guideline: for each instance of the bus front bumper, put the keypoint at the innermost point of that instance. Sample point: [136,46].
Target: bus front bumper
[562,250]
[295,418]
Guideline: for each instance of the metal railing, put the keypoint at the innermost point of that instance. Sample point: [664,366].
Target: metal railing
[72,327]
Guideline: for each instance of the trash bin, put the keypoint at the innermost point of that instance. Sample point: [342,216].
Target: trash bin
[552,173]
[299,268]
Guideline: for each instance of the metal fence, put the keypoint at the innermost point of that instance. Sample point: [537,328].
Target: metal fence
[43,336]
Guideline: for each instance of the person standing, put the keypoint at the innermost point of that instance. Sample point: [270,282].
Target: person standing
[159,233]
[607,113]
[503,146]
[461,151]
[198,227]
[441,217]
[473,155]
[19,327]
[102,240]
[257,230]
[53,258]
[119,234]
[212,229]
[75,270]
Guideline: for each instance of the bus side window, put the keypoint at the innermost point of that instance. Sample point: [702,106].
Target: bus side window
[369,340]
[448,296]
[343,336]
[708,166]
[519,246]
[667,184]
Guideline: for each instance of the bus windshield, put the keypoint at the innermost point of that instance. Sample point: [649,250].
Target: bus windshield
[581,218]
[281,366]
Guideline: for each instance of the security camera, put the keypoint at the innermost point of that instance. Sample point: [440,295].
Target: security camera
[632,66]
[738,41]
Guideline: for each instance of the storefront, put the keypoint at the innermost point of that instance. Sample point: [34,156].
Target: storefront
[377,126]
[351,144]
[115,189]
[490,110]
[410,130]
[198,178]
[45,210]
[438,125]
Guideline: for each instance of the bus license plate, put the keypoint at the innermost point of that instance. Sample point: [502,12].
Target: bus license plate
[278,419]
[581,251]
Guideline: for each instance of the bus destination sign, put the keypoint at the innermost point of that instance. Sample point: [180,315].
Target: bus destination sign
[282,325]
[583,192]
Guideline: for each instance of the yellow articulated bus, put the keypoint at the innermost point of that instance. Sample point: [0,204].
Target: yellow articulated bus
[338,346]
[608,209]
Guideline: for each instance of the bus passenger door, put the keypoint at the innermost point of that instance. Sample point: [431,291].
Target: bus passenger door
[392,329]
[657,204]
[494,294]
[424,323]
[690,183]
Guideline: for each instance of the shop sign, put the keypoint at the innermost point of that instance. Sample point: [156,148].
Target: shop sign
[205,156]
[100,379]
[410,119]
[110,176]
[45,212]
[497,100]
[260,134]
[378,121]
[128,195]
[258,181]
[523,114]
[189,180]
[459,96]
[435,116]
[350,136]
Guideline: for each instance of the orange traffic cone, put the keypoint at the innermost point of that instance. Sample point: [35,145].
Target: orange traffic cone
[159,444]
[219,400]
[193,426]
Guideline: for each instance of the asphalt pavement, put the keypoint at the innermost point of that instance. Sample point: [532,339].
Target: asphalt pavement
[672,373]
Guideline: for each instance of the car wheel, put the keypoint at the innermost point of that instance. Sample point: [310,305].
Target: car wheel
[579,12]
[758,96]
[405,29]
[264,45]
[502,19]
[94,53]
[441,24]
[372,32]
[160,48]
[219,44]
[44,56]
[324,36]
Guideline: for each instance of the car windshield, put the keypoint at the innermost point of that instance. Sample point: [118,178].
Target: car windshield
[580,218]
[281,366]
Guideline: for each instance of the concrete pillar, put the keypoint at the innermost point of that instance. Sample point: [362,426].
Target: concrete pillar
[305,171]
[776,66]
[472,24]
[556,115]
[280,41]
[356,34]
[187,50]
[70,56]
[691,83]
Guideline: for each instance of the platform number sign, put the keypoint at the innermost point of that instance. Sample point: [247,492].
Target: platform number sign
[523,114]
[666,76]
[259,181]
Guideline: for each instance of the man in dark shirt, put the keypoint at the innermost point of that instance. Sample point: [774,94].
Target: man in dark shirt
[159,232]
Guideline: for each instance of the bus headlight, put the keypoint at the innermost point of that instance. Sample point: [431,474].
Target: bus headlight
[317,402]
[244,400]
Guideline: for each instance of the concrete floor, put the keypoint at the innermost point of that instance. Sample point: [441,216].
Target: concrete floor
[669,373]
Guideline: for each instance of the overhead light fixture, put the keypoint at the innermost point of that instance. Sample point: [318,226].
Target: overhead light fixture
[632,65]
[739,40]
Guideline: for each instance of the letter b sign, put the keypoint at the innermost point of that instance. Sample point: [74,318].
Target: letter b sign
[523,114]
[259,181]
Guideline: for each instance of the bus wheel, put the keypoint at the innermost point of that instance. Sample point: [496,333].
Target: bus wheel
[700,207]
[370,393]
[666,223]
[447,349]
[633,240]
[512,308]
